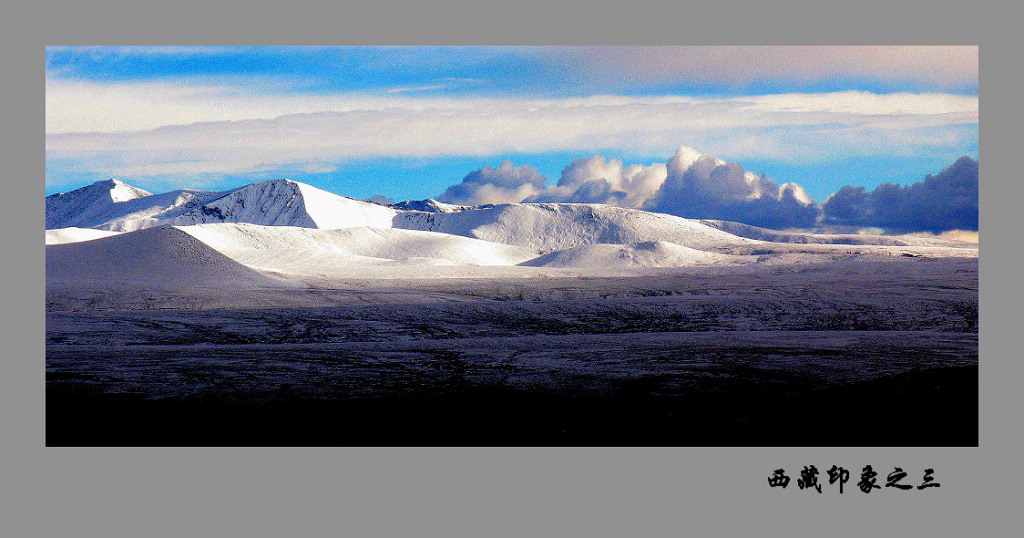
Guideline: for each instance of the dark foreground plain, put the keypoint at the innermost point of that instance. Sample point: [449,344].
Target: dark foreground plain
[840,354]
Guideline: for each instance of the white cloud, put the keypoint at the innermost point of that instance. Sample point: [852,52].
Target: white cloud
[502,185]
[690,184]
[606,181]
[163,128]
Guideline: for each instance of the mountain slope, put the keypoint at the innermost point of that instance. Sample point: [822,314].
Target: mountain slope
[307,251]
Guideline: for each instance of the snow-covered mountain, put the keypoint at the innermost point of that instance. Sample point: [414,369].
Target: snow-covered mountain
[89,206]
[278,202]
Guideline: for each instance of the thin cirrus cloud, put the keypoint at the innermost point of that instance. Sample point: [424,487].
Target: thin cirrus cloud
[85,106]
[938,66]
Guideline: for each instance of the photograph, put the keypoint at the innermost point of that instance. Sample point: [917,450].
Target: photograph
[512,246]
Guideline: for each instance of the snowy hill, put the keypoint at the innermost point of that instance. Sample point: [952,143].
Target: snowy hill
[160,257]
[552,227]
[61,236]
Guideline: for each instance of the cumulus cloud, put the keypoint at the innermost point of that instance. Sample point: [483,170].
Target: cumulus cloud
[504,184]
[604,181]
[703,187]
[689,184]
[698,186]
[945,201]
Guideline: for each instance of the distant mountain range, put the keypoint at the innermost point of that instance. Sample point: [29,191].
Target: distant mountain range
[288,229]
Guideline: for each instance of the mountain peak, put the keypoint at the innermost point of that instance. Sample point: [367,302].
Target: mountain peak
[82,206]
[275,181]
[429,205]
[121,191]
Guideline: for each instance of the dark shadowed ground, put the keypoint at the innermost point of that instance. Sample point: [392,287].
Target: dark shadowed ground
[936,407]
[822,357]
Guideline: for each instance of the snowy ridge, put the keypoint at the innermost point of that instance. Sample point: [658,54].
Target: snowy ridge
[552,227]
[155,210]
[429,206]
[282,202]
[776,236]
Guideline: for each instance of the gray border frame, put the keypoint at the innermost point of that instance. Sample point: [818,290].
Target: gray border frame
[494,491]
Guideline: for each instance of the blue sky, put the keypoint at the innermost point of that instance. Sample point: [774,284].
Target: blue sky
[407,122]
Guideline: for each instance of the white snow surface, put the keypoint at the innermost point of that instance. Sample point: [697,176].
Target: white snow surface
[647,254]
[306,251]
[74,235]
